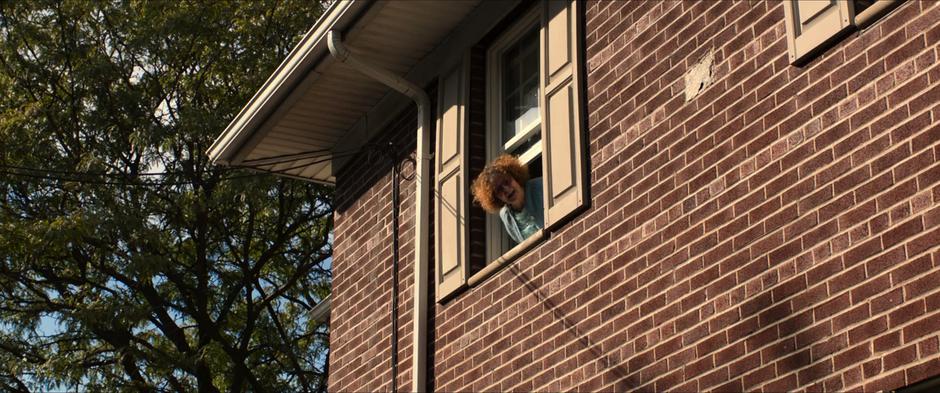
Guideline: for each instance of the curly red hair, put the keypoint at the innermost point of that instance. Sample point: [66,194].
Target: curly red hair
[483,185]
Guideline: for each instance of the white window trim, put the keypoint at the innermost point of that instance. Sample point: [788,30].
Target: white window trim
[805,43]
[496,238]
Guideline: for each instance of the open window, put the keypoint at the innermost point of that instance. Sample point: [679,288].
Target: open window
[814,25]
[533,110]
[514,120]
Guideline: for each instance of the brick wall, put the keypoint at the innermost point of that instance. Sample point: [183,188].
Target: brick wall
[778,232]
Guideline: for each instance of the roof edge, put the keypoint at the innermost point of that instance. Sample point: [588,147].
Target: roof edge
[301,60]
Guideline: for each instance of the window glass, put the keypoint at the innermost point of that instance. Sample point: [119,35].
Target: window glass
[520,96]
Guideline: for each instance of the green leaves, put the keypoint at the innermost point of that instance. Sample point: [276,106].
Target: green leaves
[197,279]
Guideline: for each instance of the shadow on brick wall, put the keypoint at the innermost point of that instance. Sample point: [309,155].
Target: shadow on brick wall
[618,373]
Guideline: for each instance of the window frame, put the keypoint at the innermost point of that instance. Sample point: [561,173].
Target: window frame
[805,43]
[563,125]
[498,244]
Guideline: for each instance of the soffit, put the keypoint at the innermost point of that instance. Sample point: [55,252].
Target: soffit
[293,127]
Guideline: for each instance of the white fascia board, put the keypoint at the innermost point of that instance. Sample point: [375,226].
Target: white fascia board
[301,61]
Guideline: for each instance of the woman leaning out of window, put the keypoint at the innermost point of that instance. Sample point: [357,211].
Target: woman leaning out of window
[504,187]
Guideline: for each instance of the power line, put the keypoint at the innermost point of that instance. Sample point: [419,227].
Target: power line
[264,161]
[289,157]
[104,174]
[88,177]
[107,182]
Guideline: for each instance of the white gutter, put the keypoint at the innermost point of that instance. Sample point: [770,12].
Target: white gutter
[341,53]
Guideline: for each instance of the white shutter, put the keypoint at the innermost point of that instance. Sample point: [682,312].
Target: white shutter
[450,188]
[812,24]
[562,110]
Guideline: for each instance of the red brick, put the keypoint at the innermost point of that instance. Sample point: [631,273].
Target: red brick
[812,296]
[852,180]
[852,356]
[800,225]
[759,376]
[741,365]
[914,126]
[832,345]
[847,279]
[901,232]
[868,330]
[816,199]
[904,53]
[874,187]
[931,175]
[928,347]
[906,313]
[852,377]
[924,241]
[920,329]
[711,344]
[850,317]
[906,91]
[889,382]
[911,268]
[871,368]
[868,113]
[896,194]
[785,252]
[879,224]
[887,301]
[859,214]
[926,137]
[814,372]
[766,244]
[732,386]
[925,99]
[713,378]
[862,251]
[871,287]
[784,384]
[923,371]
[884,262]
[887,342]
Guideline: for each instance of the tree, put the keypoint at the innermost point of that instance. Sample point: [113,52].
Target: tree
[128,262]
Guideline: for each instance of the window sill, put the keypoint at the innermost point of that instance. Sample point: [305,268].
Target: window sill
[875,11]
[506,258]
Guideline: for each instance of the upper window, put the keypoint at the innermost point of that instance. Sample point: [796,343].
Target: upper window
[518,98]
[813,25]
[514,120]
[534,111]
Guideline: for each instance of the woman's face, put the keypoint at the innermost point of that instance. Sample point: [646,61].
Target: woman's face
[509,191]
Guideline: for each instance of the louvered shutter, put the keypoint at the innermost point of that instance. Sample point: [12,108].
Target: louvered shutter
[562,111]
[450,188]
[811,24]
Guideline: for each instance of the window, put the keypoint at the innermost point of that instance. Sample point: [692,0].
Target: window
[514,121]
[813,25]
[513,77]
[533,110]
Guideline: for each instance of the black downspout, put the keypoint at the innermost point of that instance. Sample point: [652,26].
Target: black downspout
[394,316]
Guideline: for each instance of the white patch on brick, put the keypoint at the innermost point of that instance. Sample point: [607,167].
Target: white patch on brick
[795,139]
[716,186]
[699,76]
